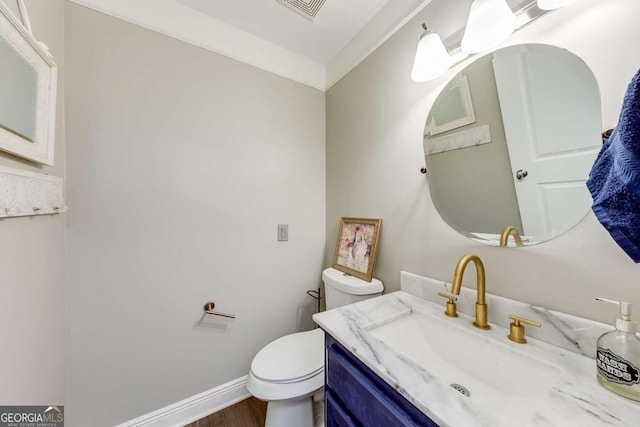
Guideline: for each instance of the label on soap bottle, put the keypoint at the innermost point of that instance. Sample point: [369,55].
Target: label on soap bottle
[615,368]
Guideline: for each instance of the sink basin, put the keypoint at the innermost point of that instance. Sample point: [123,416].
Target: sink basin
[499,378]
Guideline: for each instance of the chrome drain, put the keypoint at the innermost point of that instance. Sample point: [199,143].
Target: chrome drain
[461,389]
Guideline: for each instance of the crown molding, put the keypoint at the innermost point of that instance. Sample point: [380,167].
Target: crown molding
[377,31]
[181,22]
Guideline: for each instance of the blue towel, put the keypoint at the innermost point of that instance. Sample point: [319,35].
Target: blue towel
[614,181]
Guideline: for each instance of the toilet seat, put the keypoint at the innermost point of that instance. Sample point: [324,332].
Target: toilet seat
[289,367]
[292,380]
[291,358]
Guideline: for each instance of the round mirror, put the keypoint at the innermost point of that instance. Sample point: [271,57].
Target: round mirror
[510,142]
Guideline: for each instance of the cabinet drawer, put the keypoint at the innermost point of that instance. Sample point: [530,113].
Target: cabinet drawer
[365,396]
[336,415]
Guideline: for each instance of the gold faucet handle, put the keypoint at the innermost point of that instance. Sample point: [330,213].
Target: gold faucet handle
[450,310]
[516,330]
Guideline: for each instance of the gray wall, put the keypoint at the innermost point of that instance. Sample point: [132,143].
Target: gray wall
[376,115]
[478,176]
[32,295]
[181,164]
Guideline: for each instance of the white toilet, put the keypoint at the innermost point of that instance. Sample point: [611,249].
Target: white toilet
[290,370]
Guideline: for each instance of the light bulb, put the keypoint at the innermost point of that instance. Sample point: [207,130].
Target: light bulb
[553,4]
[490,22]
[432,59]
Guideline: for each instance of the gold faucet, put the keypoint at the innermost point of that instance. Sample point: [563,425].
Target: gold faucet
[504,237]
[481,305]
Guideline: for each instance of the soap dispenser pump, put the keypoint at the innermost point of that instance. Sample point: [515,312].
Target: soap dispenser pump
[618,355]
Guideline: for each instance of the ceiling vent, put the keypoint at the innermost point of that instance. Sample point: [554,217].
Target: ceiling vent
[307,8]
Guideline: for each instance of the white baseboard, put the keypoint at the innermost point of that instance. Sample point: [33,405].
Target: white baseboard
[195,407]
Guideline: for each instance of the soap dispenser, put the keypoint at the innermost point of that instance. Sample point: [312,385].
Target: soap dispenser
[618,355]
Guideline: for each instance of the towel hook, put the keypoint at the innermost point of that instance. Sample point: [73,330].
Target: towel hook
[210,305]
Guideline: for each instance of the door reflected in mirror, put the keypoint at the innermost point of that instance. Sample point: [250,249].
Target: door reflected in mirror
[524,159]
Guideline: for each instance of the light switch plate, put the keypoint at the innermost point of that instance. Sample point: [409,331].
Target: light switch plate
[283,232]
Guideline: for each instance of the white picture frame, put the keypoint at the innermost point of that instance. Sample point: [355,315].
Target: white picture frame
[458,108]
[40,148]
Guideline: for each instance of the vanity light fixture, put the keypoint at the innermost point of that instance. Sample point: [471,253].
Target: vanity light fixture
[432,59]
[490,23]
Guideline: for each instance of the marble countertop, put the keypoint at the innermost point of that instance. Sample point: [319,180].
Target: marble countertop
[576,398]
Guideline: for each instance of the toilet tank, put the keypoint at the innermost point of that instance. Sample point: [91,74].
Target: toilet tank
[342,289]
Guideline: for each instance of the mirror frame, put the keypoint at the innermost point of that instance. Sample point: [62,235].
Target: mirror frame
[41,149]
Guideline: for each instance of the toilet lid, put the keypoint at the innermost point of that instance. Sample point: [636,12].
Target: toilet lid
[292,357]
[350,284]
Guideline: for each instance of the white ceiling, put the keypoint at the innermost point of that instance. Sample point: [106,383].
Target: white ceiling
[337,22]
[266,34]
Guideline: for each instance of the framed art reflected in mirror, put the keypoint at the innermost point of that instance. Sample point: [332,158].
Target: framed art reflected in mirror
[455,108]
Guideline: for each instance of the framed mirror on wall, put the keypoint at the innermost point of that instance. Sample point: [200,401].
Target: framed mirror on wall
[455,108]
[28,85]
[524,160]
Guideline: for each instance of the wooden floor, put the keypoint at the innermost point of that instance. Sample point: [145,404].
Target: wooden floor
[248,413]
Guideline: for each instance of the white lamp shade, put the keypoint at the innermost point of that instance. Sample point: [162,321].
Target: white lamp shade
[432,59]
[553,4]
[490,22]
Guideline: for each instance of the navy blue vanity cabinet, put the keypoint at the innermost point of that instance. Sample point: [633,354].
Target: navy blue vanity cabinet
[356,396]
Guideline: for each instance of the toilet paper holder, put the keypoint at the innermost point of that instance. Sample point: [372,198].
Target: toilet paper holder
[208,309]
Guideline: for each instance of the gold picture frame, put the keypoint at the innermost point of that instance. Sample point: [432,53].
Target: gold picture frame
[357,246]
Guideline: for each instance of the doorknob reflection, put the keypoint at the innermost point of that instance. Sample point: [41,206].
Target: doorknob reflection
[521,174]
